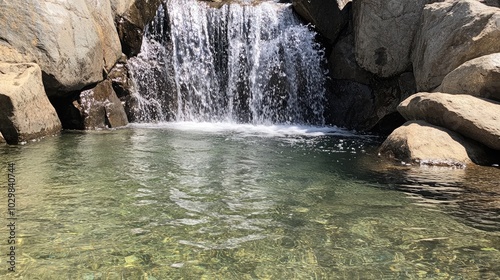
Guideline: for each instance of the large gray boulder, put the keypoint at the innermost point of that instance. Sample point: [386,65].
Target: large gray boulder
[384,32]
[478,77]
[25,110]
[73,41]
[417,142]
[473,117]
[105,24]
[328,16]
[451,33]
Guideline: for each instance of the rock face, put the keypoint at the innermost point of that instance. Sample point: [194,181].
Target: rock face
[329,16]
[451,33]
[342,62]
[103,16]
[96,108]
[422,143]
[72,41]
[359,99]
[101,108]
[131,17]
[384,32]
[473,117]
[478,77]
[25,111]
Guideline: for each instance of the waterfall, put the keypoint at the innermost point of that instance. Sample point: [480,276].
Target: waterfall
[244,63]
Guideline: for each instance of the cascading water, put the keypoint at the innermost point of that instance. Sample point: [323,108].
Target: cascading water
[238,63]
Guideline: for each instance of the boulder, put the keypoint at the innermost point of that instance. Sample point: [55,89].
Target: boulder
[62,37]
[104,22]
[417,142]
[101,108]
[119,7]
[384,32]
[95,108]
[473,117]
[131,16]
[363,106]
[328,16]
[360,100]
[478,77]
[25,110]
[493,3]
[451,33]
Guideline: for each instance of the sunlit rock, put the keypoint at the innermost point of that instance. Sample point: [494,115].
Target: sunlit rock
[71,41]
[25,111]
[473,117]
[478,77]
[384,32]
[417,142]
[451,33]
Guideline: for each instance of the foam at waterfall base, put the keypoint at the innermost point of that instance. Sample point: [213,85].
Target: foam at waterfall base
[260,130]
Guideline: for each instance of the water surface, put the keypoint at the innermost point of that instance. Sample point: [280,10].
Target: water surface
[218,201]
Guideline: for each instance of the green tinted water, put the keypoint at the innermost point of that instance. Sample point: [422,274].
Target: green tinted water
[143,203]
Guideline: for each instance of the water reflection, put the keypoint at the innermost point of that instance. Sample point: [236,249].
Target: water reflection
[470,194]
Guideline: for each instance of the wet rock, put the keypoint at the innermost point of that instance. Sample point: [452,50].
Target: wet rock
[418,142]
[342,62]
[71,41]
[25,111]
[384,32]
[369,107]
[451,33]
[470,116]
[328,16]
[478,77]
[120,78]
[95,108]
[131,16]
[101,108]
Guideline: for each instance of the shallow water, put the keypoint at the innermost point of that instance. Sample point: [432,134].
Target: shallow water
[218,201]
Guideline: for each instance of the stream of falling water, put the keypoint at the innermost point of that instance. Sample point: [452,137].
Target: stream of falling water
[238,63]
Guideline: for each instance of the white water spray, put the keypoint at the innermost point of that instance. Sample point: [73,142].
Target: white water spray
[253,64]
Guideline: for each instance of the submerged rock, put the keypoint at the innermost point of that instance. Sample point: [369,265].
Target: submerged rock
[478,77]
[418,142]
[25,110]
[473,117]
[451,33]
